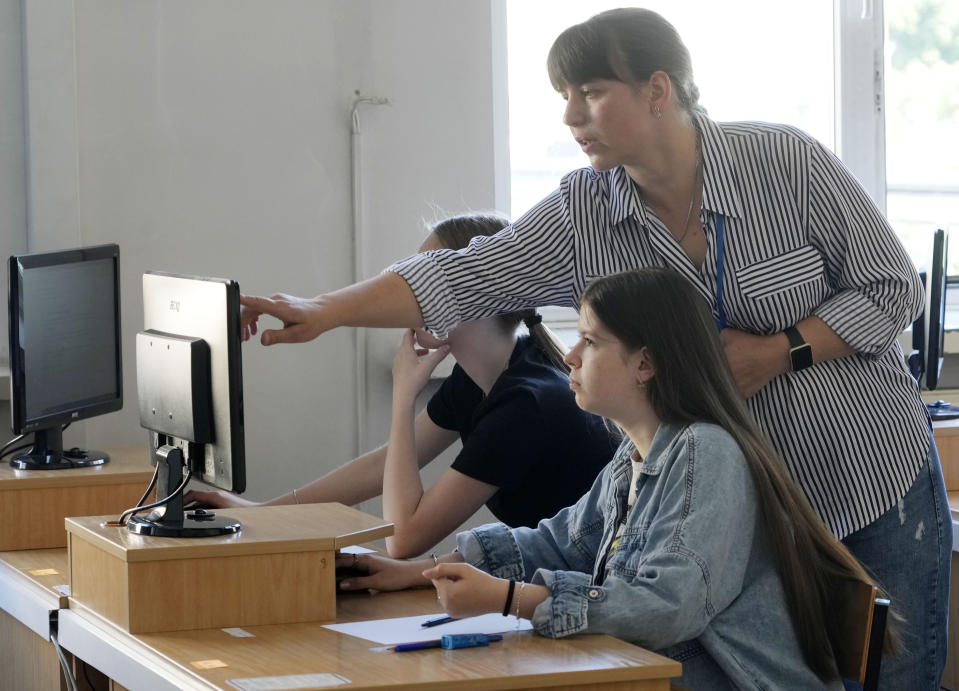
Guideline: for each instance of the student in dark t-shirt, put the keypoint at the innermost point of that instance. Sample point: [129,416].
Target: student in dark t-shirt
[528,449]
[523,437]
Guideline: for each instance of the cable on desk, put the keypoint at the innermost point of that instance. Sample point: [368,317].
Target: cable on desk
[137,509]
[153,482]
[4,449]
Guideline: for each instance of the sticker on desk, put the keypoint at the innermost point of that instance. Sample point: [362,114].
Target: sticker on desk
[63,590]
[209,664]
[289,682]
[43,572]
[238,633]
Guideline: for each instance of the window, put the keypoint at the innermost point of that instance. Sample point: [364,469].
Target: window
[811,76]
[922,123]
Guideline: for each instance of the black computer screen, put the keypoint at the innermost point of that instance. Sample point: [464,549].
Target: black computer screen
[68,340]
[65,363]
[935,312]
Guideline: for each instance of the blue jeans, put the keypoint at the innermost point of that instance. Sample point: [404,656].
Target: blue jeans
[909,551]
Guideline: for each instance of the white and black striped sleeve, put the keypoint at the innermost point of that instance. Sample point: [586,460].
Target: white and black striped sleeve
[527,264]
[879,292]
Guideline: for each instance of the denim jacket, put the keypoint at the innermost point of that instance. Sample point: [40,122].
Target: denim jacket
[692,577]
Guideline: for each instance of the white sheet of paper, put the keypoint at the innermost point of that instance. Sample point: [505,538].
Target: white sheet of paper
[410,629]
[356,549]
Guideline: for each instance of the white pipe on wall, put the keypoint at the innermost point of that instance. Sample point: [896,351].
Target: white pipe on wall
[359,270]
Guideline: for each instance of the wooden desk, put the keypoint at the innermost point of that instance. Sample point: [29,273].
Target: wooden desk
[33,503]
[523,660]
[27,658]
[946,433]
[950,677]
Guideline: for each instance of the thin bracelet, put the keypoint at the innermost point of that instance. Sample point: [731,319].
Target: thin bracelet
[295,498]
[509,598]
[519,597]
[436,561]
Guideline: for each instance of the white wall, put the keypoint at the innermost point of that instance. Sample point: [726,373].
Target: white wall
[214,138]
[13,199]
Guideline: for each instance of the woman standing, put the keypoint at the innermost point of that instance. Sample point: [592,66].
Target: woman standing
[804,277]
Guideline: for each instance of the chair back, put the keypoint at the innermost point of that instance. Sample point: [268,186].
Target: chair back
[857,644]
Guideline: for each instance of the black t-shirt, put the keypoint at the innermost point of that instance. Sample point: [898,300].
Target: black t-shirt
[527,437]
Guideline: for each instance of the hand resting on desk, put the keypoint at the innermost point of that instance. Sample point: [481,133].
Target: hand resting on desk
[215,499]
[382,573]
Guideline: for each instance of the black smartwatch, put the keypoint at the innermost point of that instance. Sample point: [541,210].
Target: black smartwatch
[800,352]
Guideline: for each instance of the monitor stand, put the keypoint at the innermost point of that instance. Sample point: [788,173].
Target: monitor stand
[942,410]
[47,453]
[170,520]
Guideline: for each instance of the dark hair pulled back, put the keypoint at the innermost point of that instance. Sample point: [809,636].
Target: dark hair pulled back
[627,45]
[455,233]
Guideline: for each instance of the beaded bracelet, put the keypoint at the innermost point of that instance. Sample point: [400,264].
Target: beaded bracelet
[509,598]
[519,597]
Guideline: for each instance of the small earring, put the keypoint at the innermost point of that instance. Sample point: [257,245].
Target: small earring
[657,113]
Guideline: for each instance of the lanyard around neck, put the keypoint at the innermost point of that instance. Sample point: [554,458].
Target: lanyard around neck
[720,269]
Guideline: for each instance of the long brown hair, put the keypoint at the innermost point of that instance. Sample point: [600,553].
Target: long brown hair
[658,309]
[627,45]
[455,233]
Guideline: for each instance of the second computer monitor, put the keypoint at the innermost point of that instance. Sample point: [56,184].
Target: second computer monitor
[209,309]
[65,366]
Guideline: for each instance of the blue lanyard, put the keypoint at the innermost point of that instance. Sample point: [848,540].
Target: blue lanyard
[720,268]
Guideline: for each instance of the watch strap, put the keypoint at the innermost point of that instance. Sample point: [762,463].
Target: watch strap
[800,352]
[795,338]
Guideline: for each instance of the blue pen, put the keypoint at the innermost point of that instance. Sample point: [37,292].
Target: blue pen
[451,642]
[437,621]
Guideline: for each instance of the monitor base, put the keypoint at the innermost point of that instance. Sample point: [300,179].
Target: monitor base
[58,460]
[198,523]
[170,520]
[942,410]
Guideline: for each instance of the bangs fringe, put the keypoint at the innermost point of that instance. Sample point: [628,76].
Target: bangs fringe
[580,55]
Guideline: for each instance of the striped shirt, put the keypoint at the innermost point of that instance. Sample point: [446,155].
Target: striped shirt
[801,238]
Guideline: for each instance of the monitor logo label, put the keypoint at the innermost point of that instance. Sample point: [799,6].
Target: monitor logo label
[174,305]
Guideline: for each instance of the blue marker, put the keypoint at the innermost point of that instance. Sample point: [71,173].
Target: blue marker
[451,642]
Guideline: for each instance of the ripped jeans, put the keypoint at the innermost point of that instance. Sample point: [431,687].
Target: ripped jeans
[909,551]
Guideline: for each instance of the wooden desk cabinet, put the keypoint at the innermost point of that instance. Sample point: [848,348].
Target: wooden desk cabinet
[33,503]
[947,443]
[278,569]
[946,434]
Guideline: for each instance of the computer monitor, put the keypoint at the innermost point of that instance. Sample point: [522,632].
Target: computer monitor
[190,391]
[64,331]
[928,330]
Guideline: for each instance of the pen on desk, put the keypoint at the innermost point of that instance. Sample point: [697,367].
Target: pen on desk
[451,642]
[437,621]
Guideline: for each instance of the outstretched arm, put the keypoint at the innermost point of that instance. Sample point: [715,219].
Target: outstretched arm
[382,301]
[351,483]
